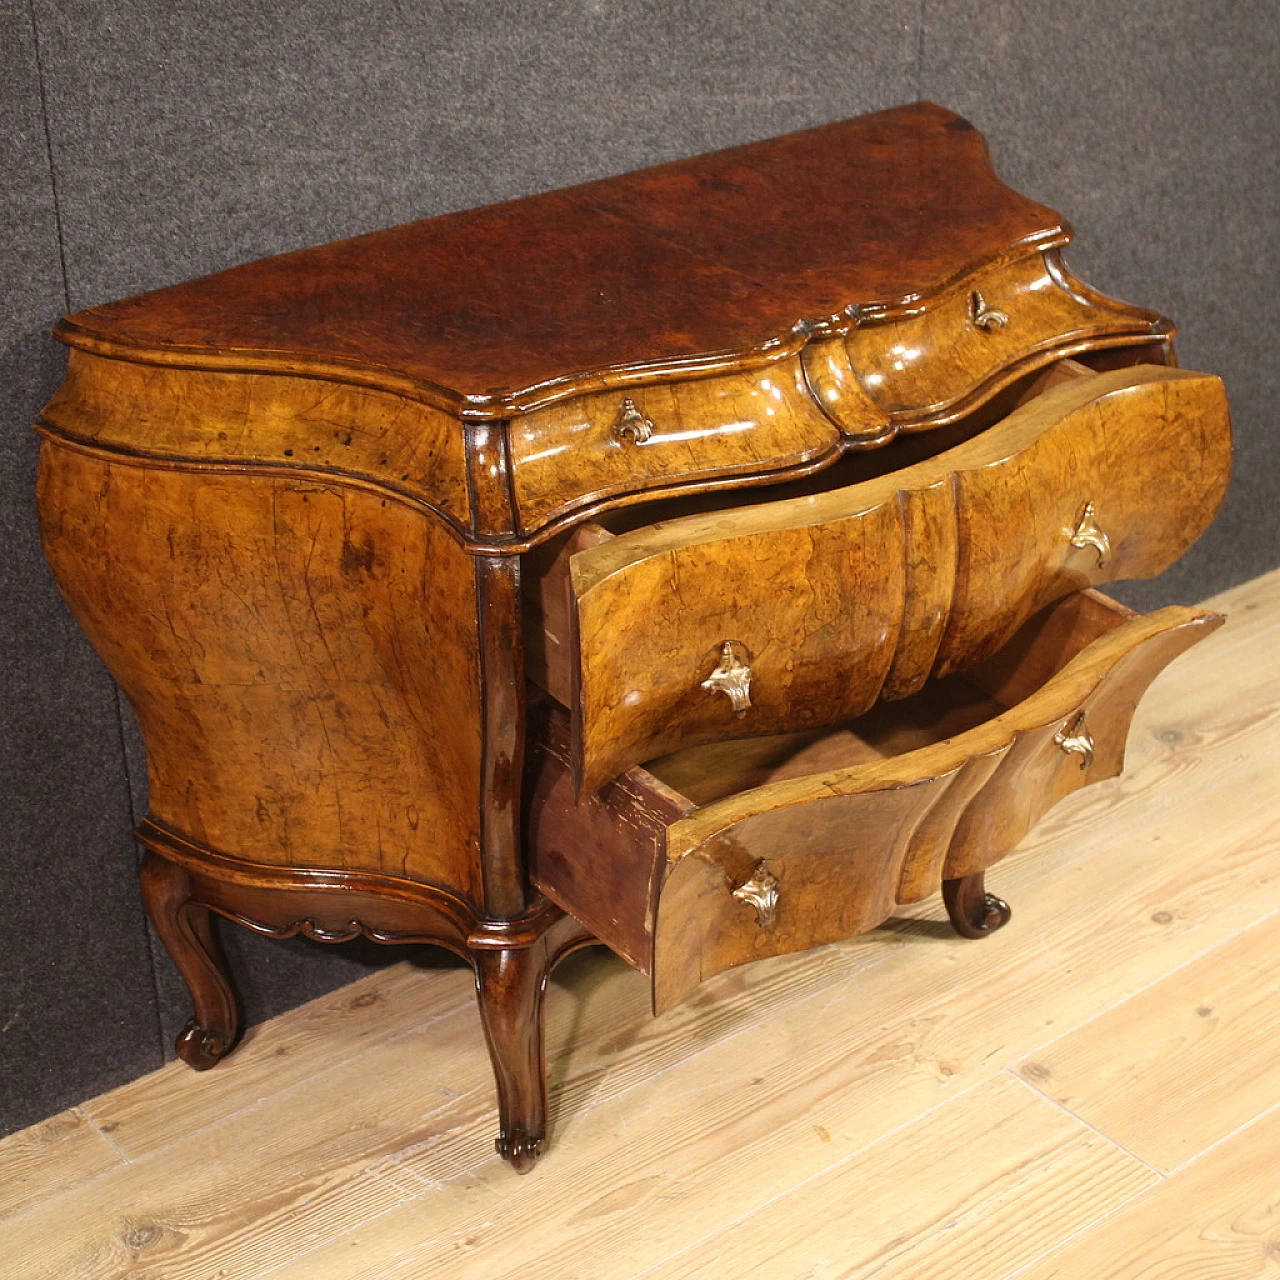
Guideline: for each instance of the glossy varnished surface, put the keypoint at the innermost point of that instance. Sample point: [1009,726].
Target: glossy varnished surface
[303,660]
[710,258]
[311,509]
[574,452]
[850,595]
[350,435]
[975,1103]
[924,366]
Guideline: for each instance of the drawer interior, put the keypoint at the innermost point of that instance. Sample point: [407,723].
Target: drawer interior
[942,710]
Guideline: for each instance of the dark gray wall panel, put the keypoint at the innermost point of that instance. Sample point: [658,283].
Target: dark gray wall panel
[77,1010]
[1156,129]
[194,137]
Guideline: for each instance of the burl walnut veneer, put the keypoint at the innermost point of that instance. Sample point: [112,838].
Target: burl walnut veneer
[699,561]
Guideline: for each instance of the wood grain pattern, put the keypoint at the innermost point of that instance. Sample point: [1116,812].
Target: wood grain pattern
[672,1130]
[570,454]
[1182,1064]
[1214,1218]
[657,1158]
[840,842]
[338,432]
[1041,1176]
[278,1054]
[844,824]
[51,1157]
[289,504]
[302,659]
[849,594]
[512,956]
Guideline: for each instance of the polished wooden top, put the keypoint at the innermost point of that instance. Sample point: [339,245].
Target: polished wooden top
[699,264]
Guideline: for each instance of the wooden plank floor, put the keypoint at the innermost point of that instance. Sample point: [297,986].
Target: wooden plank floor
[1092,1094]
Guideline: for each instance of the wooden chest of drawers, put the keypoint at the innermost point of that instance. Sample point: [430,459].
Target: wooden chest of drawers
[700,562]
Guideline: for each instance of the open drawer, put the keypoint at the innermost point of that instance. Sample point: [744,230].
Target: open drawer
[861,583]
[729,852]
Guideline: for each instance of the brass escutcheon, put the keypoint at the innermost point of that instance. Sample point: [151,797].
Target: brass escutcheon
[761,891]
[983,317]
[732,678]
[632,425]
[1075,739]
[1088,533]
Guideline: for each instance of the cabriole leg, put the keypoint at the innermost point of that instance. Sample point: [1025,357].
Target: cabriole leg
[510,985]
[511,982]
[186,929]
[974,912]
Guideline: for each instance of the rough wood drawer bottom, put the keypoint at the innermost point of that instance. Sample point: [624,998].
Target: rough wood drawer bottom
[722,854]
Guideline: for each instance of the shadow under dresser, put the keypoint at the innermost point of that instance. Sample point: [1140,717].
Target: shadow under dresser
[701,561]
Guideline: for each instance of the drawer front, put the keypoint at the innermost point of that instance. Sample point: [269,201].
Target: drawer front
[807,611]
[927,368]
[815,859]
[618,442]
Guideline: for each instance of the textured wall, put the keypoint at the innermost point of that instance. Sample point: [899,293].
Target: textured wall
[148,141]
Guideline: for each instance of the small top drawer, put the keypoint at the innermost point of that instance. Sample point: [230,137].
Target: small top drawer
[623,441]
[807,610]
[926,368]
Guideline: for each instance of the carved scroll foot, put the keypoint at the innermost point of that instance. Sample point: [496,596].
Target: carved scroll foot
[974,912]
[511,982]
[186,929]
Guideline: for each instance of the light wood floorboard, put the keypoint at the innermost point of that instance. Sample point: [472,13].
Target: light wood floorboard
[1182,1064]
[905,1104]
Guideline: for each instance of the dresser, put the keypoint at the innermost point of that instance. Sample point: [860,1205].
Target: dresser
[700,562]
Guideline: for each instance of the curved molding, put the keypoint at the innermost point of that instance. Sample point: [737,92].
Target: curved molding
[945,569]
[283,902]
[236,466]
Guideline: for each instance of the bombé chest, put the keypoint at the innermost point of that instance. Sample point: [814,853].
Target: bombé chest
[700,561]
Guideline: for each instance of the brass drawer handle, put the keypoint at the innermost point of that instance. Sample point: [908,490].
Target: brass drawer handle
[983,317]
[1075,739]
[1088,533]
[761,891]
[732,678]
[632,425]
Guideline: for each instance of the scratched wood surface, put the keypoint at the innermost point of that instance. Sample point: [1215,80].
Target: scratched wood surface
[1049,1102]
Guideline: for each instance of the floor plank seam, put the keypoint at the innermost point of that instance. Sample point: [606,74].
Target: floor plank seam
[1243,828]
[1093,1128]
[103,1134]
[283,1093]
[725,1227]
[1059,1246]
[296,1258]
[229,1116]
[744,1029]
[1163,976]
[1226,1137]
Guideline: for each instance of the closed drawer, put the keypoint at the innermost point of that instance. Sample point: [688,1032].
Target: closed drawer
[593,447]
[722,854]
[925,368]
[809,609]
